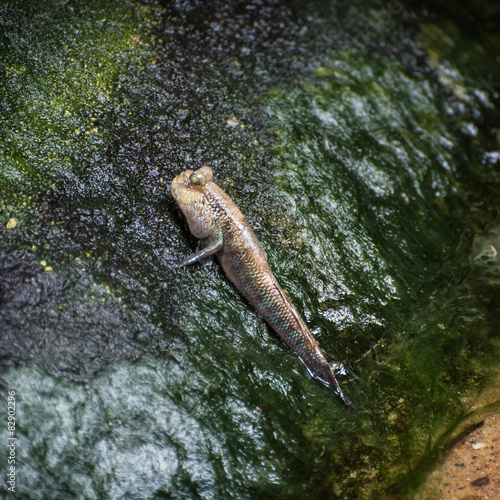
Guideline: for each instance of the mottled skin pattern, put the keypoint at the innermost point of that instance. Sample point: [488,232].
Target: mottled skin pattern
[222,229]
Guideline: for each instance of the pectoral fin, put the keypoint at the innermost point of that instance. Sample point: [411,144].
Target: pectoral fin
[206,247]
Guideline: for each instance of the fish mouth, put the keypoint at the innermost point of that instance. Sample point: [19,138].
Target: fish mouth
[179,182]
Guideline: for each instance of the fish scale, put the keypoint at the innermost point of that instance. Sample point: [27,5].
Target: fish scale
[213,217]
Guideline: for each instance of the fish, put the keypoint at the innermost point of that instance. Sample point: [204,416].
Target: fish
[223,230]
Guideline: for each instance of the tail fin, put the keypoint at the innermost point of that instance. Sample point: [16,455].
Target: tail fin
[345,398]
[335,386]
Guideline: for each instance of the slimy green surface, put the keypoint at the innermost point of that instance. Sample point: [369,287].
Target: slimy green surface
[371,179]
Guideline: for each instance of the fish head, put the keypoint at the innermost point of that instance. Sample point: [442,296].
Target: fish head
[189,190]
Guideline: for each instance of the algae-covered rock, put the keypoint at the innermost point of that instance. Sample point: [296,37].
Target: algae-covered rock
[361,142]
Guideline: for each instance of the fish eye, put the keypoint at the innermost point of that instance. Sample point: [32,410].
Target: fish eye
[195,179]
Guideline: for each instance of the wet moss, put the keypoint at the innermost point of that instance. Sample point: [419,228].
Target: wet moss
[59,92]
[341,153]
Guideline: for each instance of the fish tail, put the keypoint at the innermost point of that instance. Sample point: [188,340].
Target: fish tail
[335,386]
[346,399]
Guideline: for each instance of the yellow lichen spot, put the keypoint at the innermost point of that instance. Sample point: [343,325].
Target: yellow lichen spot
[47,268]
[11,224]
[232,122]
[324,71]
[43,263]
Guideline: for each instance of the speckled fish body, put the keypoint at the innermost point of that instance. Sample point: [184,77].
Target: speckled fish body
[215,219]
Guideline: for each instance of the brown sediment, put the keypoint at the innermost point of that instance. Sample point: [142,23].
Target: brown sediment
[470,469]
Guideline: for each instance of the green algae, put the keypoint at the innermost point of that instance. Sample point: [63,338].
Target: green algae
[59,92]
[371,172]
[375,170]
[164,384]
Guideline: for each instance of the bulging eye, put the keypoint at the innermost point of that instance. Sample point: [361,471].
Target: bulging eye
[195,179]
